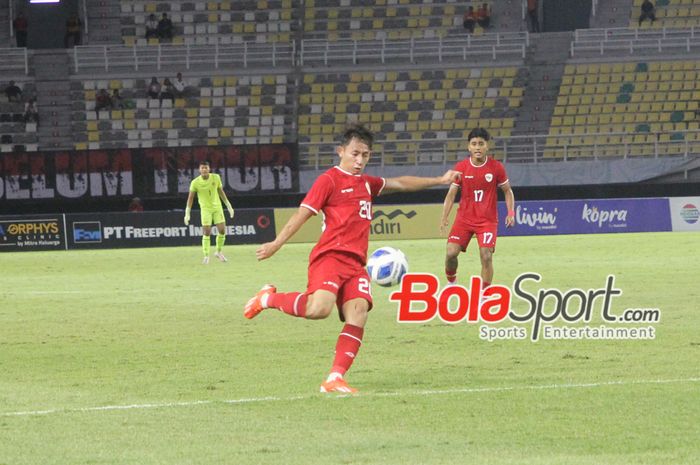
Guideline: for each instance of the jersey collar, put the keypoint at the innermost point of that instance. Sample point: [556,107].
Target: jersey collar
[479,166]
[347,172]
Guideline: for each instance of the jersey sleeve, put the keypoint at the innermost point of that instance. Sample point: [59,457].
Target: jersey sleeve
[376,185]
[501,176]
[459,167]
[192,188]
[319,193]
[218,182]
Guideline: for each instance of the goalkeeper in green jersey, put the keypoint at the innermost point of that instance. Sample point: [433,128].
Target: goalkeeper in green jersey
[210,193]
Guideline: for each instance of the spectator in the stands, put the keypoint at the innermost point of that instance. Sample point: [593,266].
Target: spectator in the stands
[136,205]
[179,86]
[483,16]
[168,91]
[21,26]
[648,12]
[73,31]
[469,19]
[165,27]
[102,101]
[151,26]
[117,101]
[154,88]
[534,15]
[31,113]
[13,92]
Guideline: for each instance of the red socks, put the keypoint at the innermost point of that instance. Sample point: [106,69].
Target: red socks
[349,342]
[451,275]
[292,303]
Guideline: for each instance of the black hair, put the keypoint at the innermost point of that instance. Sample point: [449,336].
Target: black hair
[205,162]
[479,132]
[359,132]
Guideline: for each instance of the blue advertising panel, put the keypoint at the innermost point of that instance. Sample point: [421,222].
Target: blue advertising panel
[161,229]
[587,216]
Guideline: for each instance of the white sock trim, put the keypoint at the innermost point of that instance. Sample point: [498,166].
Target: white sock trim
[352,337]
[296,304]
[333,376]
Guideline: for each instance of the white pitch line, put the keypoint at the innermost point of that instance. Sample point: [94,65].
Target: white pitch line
[432,392]
[90,291]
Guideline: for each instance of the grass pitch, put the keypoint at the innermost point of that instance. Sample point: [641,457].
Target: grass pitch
[142,356]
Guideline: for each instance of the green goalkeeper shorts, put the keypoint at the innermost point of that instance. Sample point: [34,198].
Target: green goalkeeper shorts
[210,217]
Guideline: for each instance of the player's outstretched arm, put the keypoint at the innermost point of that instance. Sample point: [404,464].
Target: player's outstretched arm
[510,204]
[447,207]
[415,183]
[297,220]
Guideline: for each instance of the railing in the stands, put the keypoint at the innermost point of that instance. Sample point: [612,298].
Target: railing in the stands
[311,53]
[164,56]
[631,41]
[463,47]
[14,60]
[517,149]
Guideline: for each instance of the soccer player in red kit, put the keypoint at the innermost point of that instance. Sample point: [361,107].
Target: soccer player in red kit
[337,274]
[481,176]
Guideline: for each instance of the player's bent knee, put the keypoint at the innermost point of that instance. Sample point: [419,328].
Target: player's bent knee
[452,252]
[318,312]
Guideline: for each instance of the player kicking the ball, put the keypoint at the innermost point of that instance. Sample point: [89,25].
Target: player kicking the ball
[480,179]
[337,274]
[210,193]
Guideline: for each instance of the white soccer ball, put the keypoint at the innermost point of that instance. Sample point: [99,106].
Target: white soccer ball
[386,266]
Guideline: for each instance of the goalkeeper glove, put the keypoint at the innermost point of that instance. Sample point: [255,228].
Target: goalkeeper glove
[230,209]
[187,215]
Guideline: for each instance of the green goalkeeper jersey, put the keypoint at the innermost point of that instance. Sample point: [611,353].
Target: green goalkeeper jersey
[207,192]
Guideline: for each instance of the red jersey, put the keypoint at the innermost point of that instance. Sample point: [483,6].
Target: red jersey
[346,202]
[479,185]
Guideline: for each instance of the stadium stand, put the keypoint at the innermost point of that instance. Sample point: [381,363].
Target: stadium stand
[260,73]
[209,22]
[628,107]
[669,14]
[409,106]
[221,110]
[15,134]
[362,20]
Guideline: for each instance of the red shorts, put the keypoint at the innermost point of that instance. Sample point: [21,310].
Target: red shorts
[343,275]
[462,232]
